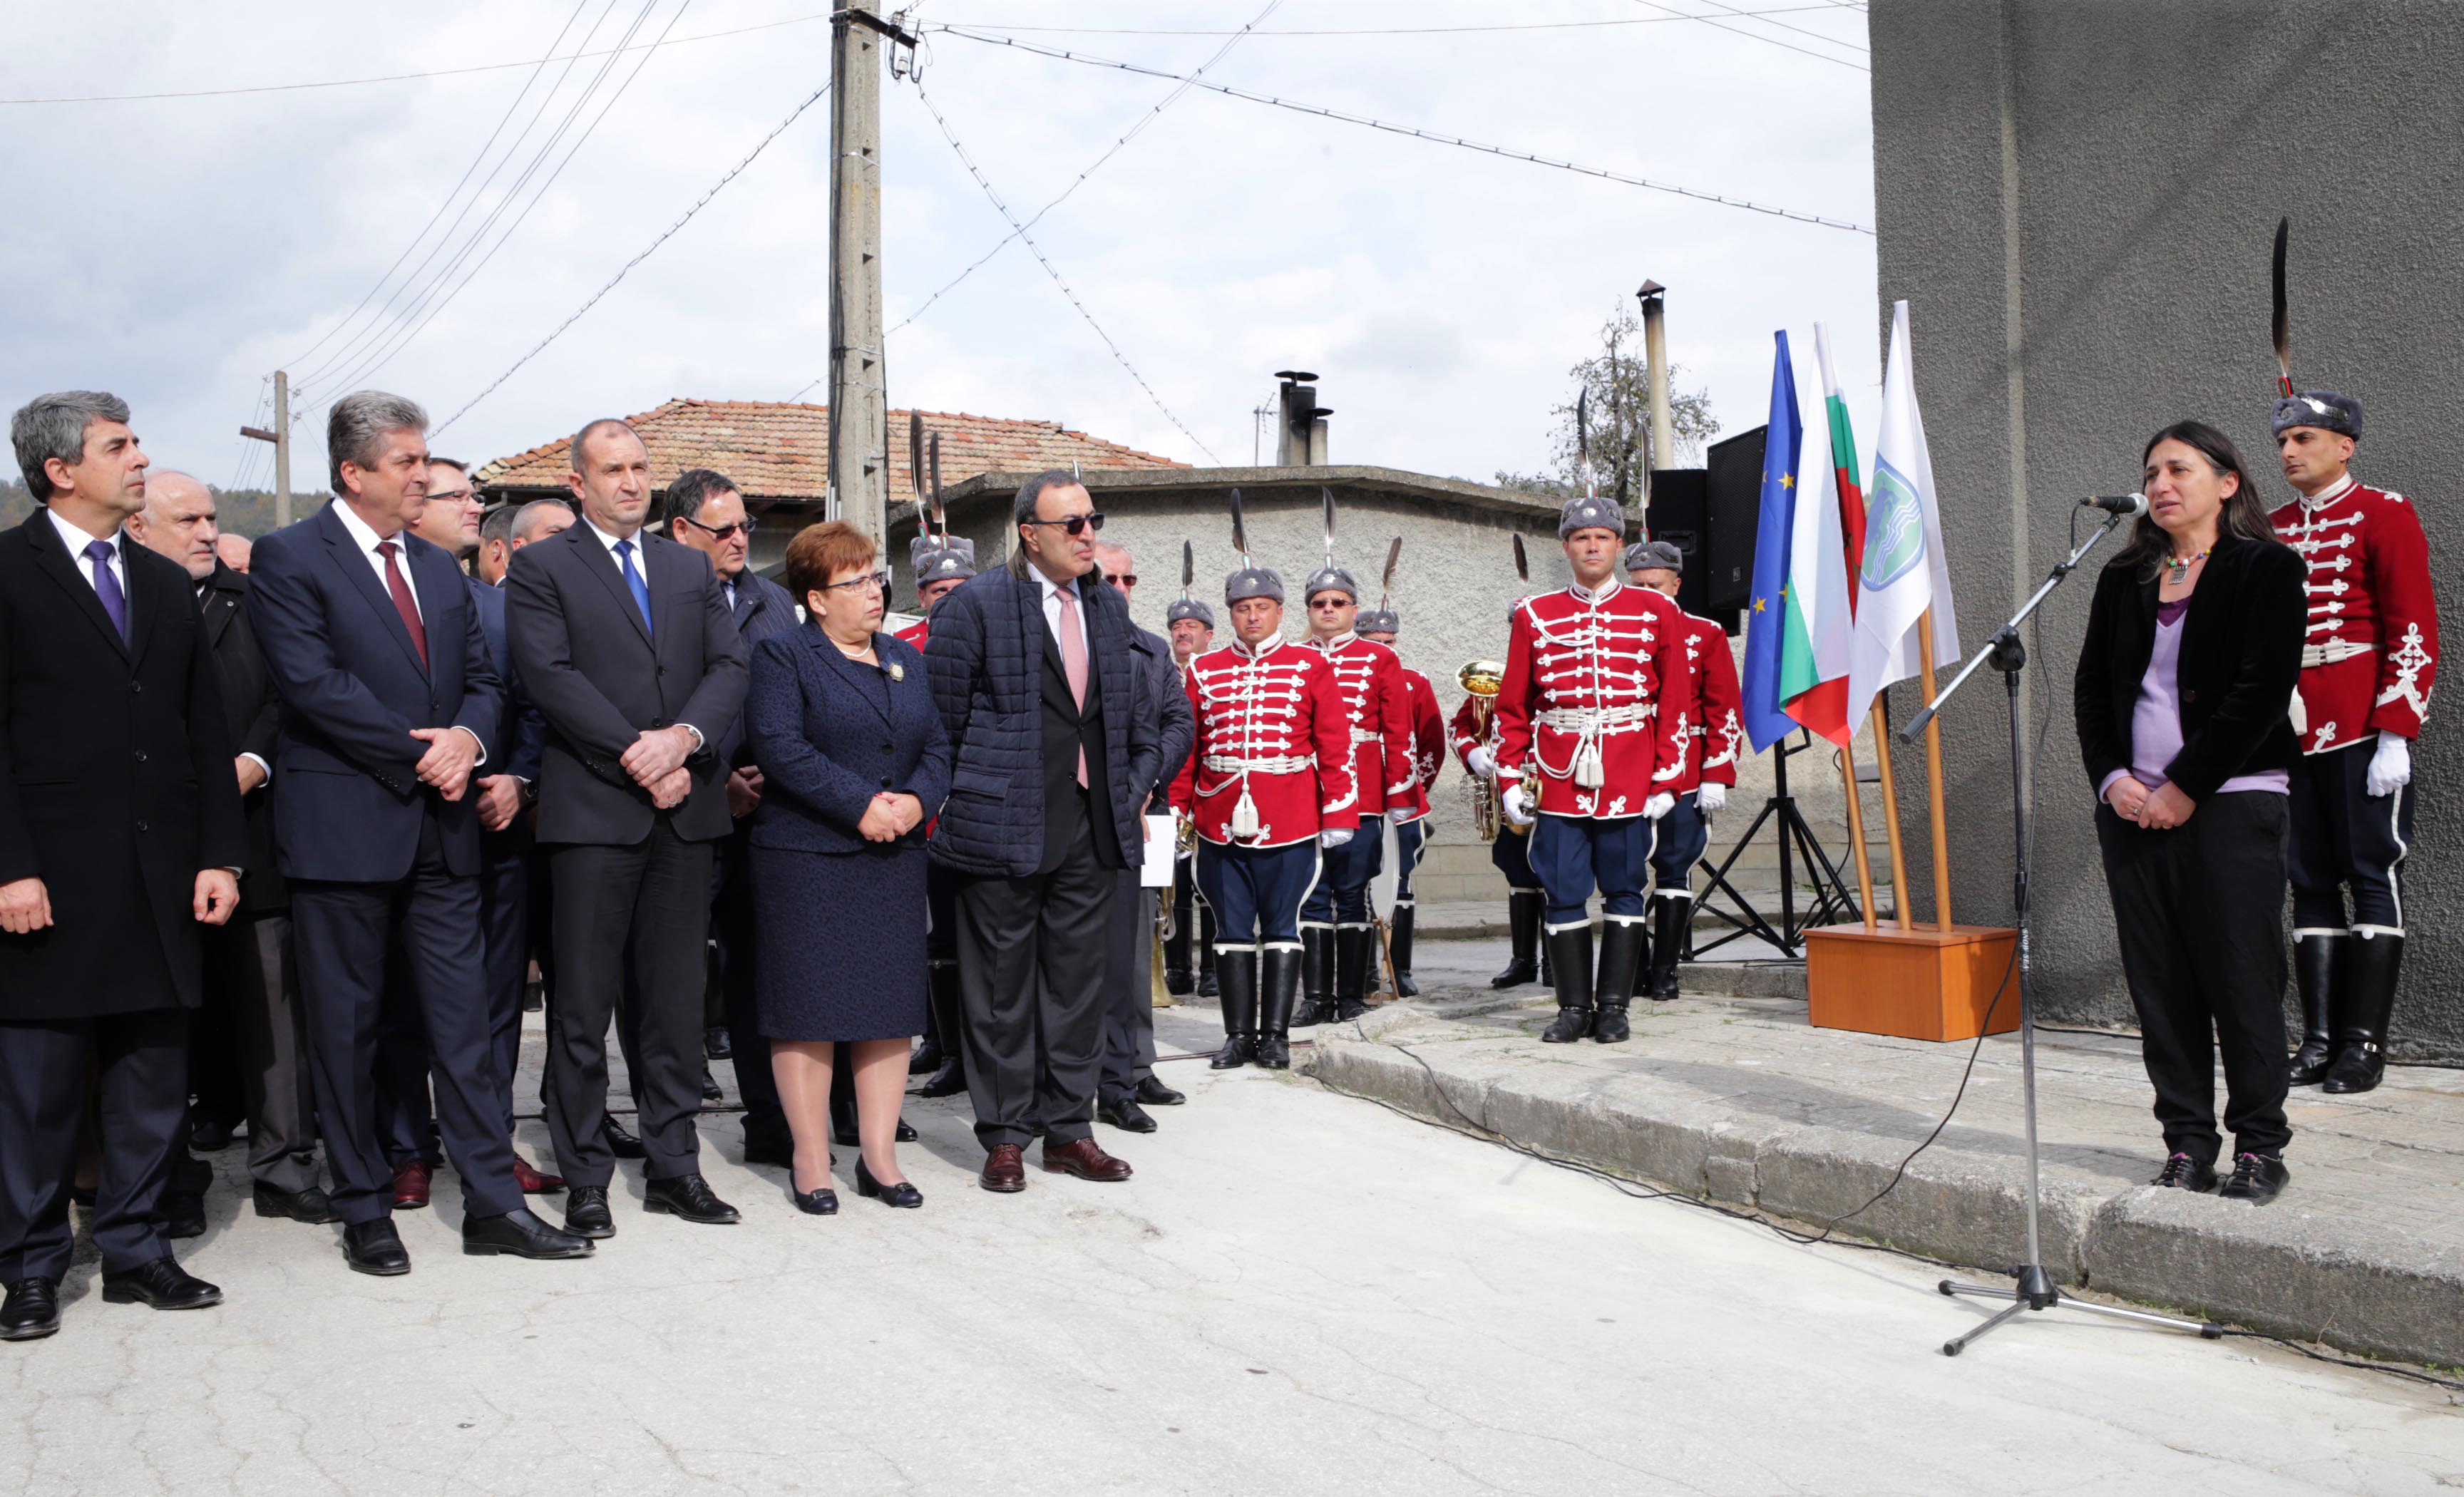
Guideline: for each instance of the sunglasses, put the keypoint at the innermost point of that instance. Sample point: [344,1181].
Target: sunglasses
[1125,579]
[1075,524]
[746,526]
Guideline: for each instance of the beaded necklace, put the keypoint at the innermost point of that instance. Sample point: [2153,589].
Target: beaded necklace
[2180,566]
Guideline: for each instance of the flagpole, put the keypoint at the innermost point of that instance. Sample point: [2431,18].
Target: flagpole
[1857,835]
[1933,778]
[1891,818]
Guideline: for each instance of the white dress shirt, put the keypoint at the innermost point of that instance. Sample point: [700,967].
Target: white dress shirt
[364,536]
[77,540]
[1052,609]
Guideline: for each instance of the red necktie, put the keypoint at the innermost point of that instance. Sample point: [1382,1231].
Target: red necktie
[402,601]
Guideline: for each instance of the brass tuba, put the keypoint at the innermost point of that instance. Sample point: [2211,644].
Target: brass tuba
[1482,678]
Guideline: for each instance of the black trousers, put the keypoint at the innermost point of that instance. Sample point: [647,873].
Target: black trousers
[249,961]
[143,1084]
[731,918]
[344,936]
[1031,961]
[640,912]
[406,1119]
[2200,912]
[1128,989]
[2345,838]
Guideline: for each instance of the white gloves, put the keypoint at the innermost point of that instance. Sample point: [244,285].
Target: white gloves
[1333,837]
[1711,799]
[1480,761]
[1516,801]
[1659,805]
[2390,765]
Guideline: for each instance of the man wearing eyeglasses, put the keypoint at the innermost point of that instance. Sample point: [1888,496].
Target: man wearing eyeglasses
[706,512]
[1035,674]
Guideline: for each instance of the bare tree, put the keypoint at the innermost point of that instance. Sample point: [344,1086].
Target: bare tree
[1617,380]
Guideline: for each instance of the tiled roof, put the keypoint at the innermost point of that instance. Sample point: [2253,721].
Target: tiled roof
[779,451]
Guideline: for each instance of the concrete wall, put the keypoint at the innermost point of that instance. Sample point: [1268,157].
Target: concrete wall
[2076,197]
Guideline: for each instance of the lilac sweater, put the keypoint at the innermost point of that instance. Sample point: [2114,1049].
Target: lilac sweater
[2156,722]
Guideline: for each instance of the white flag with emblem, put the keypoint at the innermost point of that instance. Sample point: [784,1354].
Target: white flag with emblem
[1906,571]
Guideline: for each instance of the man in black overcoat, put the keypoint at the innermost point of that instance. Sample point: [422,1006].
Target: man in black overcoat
[119,834]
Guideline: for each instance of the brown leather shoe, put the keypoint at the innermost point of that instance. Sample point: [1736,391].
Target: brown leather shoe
[532,1181]
[1004,1169]
[1085,1158]
[410,1180]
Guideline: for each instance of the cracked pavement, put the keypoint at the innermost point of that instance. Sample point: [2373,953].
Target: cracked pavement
[1299,1292]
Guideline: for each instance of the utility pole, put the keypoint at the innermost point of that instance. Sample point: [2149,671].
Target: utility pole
[859,468]
[280,437]
[1654,346]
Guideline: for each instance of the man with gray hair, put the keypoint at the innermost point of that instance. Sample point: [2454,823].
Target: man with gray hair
[391,705]
[119,834]
[509,527]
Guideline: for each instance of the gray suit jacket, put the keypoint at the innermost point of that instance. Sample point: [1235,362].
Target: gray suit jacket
[1160,693]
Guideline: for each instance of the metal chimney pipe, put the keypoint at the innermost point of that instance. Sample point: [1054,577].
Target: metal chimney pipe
[1655,344]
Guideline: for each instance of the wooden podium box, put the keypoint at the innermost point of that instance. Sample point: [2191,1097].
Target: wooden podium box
[1919,985]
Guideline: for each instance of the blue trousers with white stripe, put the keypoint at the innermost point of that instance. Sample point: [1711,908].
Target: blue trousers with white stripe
[1255,892]
[1574,854]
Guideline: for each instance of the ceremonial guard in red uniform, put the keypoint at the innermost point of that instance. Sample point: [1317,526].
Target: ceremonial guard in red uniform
[1338,934]
[941,562]
[1719,737]
[1379,625]
[1270,785]
[2367,664]
[1595,707]
[1190,624]
[1510,852]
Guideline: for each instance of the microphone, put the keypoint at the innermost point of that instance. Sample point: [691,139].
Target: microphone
[2125,504]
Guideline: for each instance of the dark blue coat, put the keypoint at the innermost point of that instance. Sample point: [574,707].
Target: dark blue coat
[825,749]
[986,658]
[521,732]
[762,608]
[353,687]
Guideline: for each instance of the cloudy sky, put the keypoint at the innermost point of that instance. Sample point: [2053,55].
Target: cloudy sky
[179,249]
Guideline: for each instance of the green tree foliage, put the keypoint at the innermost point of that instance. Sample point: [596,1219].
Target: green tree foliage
[1617,378]
[243,512]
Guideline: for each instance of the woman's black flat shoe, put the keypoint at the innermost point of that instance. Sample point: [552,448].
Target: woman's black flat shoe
[815,1203]
[902,1194]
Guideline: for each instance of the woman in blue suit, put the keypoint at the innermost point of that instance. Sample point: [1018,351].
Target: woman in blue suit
[853,763]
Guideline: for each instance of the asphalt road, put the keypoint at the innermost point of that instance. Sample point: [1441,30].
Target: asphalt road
[1299,1292]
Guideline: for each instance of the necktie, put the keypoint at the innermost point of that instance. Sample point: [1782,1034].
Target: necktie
[1073,663]
[107,586]
[401,601]
[633,580]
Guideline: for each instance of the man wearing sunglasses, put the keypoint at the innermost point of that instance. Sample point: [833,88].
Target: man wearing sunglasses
[1035,675]
[705,510]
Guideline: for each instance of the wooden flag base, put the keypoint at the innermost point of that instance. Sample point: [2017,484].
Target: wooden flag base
[1919,985]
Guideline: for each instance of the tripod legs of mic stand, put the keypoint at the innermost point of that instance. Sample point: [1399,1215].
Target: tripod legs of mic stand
[2034,1290]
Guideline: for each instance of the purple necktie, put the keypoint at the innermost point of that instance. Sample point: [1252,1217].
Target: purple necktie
[107,586]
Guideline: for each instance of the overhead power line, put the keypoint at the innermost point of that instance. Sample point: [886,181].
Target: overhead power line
[665,234]
[1380,31]
[1768,41]
[1416,133]
[1028,240]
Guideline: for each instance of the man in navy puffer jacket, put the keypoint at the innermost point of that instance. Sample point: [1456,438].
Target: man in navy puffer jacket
[1033,672]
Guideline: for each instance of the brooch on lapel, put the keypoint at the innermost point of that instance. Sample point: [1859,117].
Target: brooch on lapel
[898,671]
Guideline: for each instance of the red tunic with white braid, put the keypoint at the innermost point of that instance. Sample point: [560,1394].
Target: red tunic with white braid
[1271,725]
[1464,733]
[1428,738]
[2371,653]
[1719,731]
[1606,670]
[917,632]
[1378,703]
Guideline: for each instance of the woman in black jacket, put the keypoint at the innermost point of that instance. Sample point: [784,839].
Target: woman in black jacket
[2193,645]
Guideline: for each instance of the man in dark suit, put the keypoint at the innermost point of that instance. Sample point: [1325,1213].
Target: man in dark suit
[1129,1086]
[704,511]
[1033,673]
[249,980]
[390,705]
[626,644]
[405,1121]
[119,833]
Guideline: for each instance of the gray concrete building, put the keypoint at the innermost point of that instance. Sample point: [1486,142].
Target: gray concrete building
[2076,197]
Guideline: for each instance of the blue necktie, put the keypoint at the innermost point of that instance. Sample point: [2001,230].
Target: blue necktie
[633,580]
[107,586]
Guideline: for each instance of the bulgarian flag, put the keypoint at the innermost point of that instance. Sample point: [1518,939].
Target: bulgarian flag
[1813,657]
[1843,466]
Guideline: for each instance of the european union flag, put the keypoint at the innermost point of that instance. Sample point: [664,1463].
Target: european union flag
[1766,617]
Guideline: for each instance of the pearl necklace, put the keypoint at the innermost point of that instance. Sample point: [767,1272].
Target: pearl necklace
[2180,566]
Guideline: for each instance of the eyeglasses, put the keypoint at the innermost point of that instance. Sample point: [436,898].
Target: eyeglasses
[746,526]
[878,582]
[1075,524]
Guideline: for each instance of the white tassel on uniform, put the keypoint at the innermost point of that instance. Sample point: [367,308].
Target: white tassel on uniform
[1244,816]
[1587,767]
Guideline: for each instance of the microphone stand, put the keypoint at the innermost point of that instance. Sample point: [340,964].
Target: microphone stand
[2035,1289]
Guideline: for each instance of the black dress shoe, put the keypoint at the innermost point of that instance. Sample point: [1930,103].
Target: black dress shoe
[375,1247]
[716,1044]
[848,1138]
[311,1205]
[926,1060]
[903,1193]
[623,1144]
[1155,1094]
[163,1285]
[947,1082]
[587,1214]
[1125,1114]
[183,1215]
[690,1196]
[2181,1172]
[211,1135]
[760,1149]
[522,1233]
[823,1202]
[32,1311]
[2257,1177]
[711,1090]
